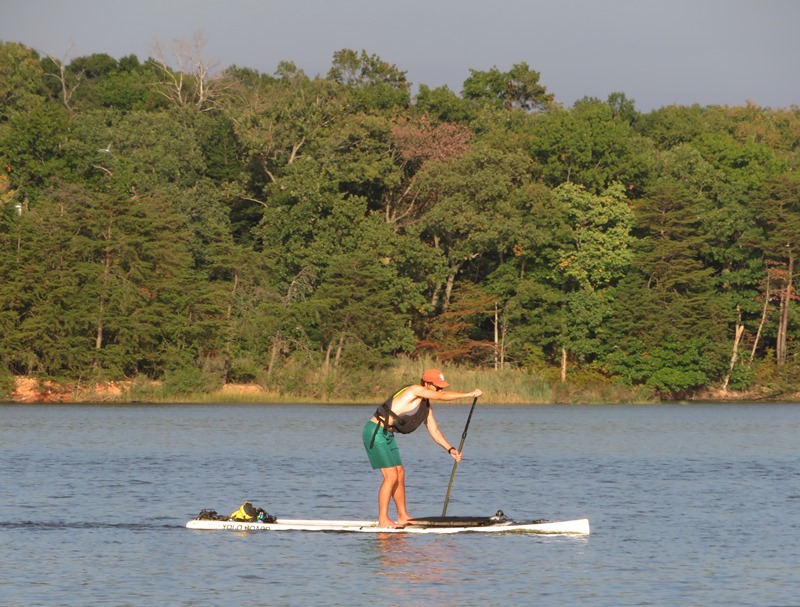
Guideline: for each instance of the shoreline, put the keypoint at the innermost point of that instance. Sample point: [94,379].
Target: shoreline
[35,392]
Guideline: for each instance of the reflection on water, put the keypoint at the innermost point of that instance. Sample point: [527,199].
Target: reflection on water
[411,566]
[418,560]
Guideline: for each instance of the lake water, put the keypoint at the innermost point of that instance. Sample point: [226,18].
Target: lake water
[689,505]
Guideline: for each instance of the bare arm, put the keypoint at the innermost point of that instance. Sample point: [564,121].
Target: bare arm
[444,395]
[438,437]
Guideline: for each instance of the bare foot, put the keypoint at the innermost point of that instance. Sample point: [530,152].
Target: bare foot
[388,523]
[402,522]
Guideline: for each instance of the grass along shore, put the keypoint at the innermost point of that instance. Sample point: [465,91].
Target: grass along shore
[313,386]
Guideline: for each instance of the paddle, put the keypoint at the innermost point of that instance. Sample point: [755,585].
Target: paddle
[455,463]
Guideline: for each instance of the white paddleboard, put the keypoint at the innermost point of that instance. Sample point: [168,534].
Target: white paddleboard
[574,527]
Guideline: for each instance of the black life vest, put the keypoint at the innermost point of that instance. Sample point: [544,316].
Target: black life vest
[404,423]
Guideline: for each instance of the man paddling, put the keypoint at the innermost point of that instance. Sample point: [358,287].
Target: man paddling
[404,412]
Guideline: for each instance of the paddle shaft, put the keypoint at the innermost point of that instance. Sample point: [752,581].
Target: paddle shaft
[455,463]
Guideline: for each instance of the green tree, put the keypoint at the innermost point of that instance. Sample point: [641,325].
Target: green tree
[276,120]
[32,146]
[519,88]
[731,174]
[779,218]
[221,149]
[374,83]
[672,125]
[135,153]
[596,254]
[20,79]
[473,214]
[97,65]
[133,86]
[599,250]
[669,253]
[667,321]
[587,145]
[444,105]
[362,312]
[622,107]
[524,284]
[104,285]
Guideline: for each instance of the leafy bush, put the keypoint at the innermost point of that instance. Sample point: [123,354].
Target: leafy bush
[244,371]
[189,380]
[670,370]
[742,377]
[7,384]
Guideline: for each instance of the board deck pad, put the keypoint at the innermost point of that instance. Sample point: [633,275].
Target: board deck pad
[468,521]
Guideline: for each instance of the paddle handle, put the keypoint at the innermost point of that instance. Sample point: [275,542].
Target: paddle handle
[455,463]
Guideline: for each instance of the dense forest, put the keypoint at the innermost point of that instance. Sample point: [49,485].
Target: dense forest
[169,220]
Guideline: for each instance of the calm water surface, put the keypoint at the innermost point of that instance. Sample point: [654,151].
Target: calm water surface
[689,505]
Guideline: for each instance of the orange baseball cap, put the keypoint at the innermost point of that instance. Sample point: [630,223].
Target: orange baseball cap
[435,377]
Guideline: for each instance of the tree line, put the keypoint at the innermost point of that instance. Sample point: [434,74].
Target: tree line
[167,220]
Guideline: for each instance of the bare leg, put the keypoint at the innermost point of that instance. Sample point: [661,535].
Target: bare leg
[399,497]
[385,493]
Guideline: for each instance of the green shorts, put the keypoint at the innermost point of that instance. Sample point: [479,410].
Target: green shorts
[384,453]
